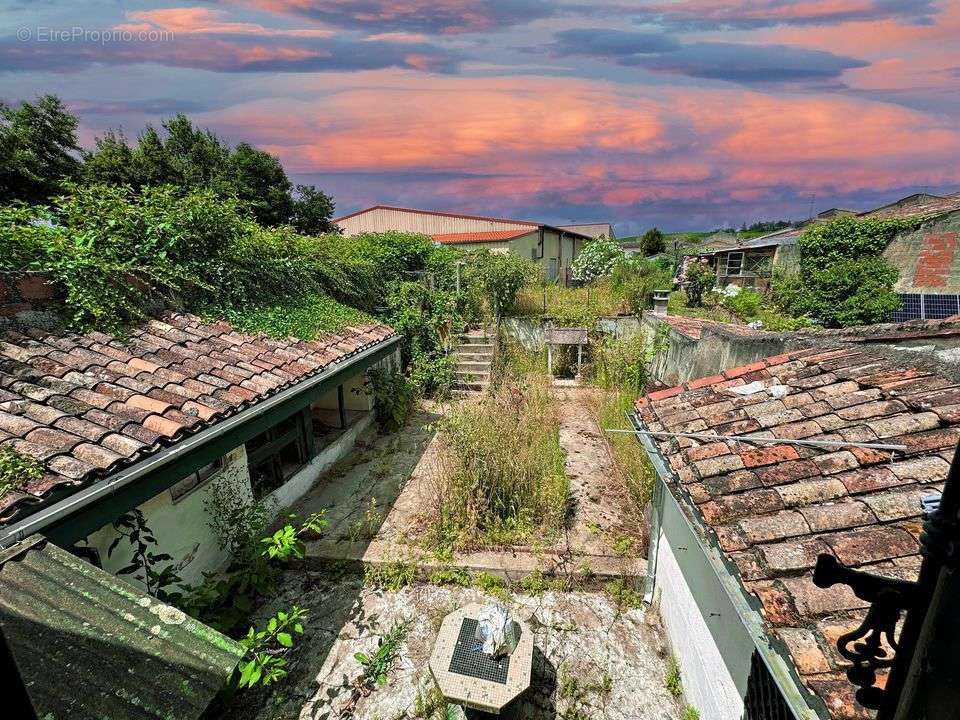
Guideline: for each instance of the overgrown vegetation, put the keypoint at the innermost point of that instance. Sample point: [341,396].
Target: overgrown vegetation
[844,279]
[500,474]
[379,663]
[17,470]
[672,681]
[265,661]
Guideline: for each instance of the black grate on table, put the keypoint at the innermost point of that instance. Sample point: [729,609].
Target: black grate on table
[476,664]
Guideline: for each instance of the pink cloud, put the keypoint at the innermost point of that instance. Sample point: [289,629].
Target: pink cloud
[525,138]
[199,20]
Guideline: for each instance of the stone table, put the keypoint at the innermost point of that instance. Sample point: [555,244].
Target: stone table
[480,682]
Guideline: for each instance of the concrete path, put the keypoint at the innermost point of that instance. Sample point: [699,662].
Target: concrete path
[379,501]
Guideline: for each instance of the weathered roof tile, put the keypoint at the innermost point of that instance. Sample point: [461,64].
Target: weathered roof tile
[88,404]
[774,508]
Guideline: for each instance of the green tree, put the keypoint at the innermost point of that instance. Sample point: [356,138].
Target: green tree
[313,211]
[652,242]
[38,149]
[261,183]
[111,162]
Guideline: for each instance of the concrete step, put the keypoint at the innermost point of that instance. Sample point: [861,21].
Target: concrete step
[475,339]
[471,375]
[470,385]
[472,366]
[484,348]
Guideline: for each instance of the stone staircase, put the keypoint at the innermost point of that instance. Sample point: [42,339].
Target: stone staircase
[473,357]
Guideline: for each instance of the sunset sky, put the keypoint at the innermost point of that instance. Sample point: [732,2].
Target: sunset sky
[687,114]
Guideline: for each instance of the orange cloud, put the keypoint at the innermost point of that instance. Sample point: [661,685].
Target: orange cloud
[578,141]
[199,20]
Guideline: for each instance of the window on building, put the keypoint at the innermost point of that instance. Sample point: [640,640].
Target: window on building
[195,480]
[764,700]
[734,263]
[552,269]
[758,265]
[276,455]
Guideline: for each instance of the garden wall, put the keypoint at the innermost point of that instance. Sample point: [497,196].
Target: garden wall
[531,333]
[716,348]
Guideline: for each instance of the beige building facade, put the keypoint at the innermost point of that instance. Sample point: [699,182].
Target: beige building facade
[553,248]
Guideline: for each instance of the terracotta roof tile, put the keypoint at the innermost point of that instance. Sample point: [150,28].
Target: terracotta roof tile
[89,404]
[775,507]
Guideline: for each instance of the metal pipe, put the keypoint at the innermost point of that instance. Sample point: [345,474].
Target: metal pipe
[771,441]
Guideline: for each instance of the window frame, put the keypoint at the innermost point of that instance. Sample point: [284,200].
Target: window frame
[197,479]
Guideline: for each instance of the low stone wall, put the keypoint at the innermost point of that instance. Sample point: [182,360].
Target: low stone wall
[716,348]
[531,333]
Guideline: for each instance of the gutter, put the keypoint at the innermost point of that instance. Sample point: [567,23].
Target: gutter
[72,504]
[803,704]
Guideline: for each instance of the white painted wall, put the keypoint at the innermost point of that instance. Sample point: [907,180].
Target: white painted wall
[707,684]
[181,528]
[298,485]
[708,638]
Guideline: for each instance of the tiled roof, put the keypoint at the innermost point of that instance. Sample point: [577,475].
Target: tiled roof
[88,405]
[479,237]
[914,205]
[90,646]
[774,508]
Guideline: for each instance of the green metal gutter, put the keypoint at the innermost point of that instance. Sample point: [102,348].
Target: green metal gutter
[79,514]
[804,704]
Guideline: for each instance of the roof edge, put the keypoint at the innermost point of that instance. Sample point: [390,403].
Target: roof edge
[439,213]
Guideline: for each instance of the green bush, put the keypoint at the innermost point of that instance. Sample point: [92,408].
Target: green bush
[635,279]
[653,242]
[393,398]
[745,304]
[596,259]
[498,278]
[697,279]
[844,279]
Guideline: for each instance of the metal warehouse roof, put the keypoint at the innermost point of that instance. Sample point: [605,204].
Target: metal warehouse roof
[90,646]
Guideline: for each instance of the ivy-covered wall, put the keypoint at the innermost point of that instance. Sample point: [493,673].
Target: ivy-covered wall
[928,259]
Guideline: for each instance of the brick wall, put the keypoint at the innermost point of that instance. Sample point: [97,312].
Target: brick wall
[32,298]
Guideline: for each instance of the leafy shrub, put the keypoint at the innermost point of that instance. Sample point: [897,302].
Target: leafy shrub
[849,292]
[745,303]
[376,666]
[501,469]
[697,279]
[393,398]
[265,661]
[636,279]
[844,279]
[498,277]
[621,362]
[596,259]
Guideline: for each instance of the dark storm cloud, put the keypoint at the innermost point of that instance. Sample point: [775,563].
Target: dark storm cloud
[734,62]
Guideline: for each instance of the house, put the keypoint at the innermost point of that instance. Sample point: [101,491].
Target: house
[170,418]
[86,644]
[737,526]
[750,263]
[926,258]
[553,248]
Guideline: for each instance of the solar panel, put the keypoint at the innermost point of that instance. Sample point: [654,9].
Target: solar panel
[469,660]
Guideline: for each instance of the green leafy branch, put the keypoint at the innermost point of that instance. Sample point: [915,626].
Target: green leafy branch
[267,649]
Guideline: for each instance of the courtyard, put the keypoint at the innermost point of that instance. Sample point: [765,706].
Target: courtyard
[374,578]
